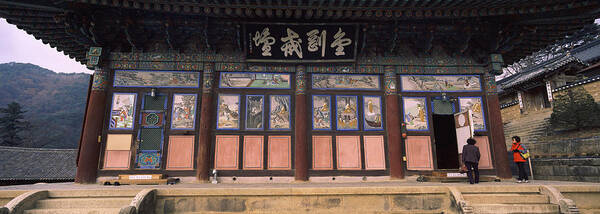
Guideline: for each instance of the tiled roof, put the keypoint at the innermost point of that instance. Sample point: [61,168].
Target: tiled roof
[18,163]
[69,25]
[589,53]
[581,55]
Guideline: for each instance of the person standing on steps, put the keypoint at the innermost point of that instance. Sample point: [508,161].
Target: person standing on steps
[470,157]
[517,149]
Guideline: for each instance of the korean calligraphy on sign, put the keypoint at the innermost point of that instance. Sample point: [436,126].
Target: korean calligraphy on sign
[301,42]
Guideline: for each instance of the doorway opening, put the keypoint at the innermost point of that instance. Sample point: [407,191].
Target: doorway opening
[445,141]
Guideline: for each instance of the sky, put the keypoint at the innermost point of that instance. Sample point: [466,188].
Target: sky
[18,46]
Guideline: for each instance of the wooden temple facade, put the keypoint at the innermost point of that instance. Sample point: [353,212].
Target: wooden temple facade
[298,89]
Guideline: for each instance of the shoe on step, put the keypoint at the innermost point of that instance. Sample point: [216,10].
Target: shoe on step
[526,181]
[519,181]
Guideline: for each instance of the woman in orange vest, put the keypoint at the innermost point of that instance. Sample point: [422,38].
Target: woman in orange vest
[517,148]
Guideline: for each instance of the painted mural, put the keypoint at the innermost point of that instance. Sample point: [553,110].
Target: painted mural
[372,113]
[415,113]
[228,112]
[167,79]
[279,116]
[255,105]
[122,110]
[184,111]
[474,104]
[254,80]
[345,81]
[452,83]
[347,112]
[321,119]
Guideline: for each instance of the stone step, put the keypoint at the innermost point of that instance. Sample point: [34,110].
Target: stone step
[526,124]
[507,198]
[91,193]
[589,211]
[74,211]
[457,179]
[323,212]
[11,193]
[481,189]
[8,195]
[70,203]
[515,208]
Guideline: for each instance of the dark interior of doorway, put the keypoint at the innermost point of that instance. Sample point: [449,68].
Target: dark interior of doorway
[445,141]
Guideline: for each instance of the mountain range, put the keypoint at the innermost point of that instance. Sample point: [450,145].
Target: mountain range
[55,102]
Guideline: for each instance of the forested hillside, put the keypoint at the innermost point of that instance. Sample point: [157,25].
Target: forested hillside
[55,102]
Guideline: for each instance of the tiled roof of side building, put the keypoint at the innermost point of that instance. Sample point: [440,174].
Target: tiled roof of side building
[18,163]
[583,55]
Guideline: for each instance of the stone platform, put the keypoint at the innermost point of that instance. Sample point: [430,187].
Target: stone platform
[404,196]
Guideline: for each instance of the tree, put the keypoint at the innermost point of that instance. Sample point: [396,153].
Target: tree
[12,124]
[575,110]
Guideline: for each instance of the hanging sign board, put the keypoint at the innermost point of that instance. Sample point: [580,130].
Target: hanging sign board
[549,90]
[301,42]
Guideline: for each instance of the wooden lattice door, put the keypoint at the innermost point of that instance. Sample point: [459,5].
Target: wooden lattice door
[150,137]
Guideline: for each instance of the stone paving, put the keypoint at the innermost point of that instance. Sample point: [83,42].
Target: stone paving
[409,181]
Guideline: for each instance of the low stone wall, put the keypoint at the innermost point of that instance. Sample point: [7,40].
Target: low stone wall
[566,148]
[585,169]
[593,88]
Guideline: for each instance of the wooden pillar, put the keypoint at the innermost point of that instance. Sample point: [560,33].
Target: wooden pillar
[206,122]
[300,131]
[499,149]
[392,115]
[89,146]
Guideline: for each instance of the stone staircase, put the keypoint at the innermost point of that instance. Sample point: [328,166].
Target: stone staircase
[83,202]
[384,198]
[509,199]
[529,127]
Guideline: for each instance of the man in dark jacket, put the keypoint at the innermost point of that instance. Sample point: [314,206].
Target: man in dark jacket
[470,157]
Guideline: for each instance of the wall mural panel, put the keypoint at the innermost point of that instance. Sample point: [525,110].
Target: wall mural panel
[438,83]
[279,115]
[122,111]
[347,112]
[254,80]
[159,79]
[372,113]
[345,81]
[415,113]
[255,105]
[228,116]
[184,111]
[321,111]
[475,105]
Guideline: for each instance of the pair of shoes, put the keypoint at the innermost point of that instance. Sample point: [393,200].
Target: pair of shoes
[519,181]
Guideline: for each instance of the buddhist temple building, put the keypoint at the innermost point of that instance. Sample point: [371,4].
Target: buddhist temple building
[296,90]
